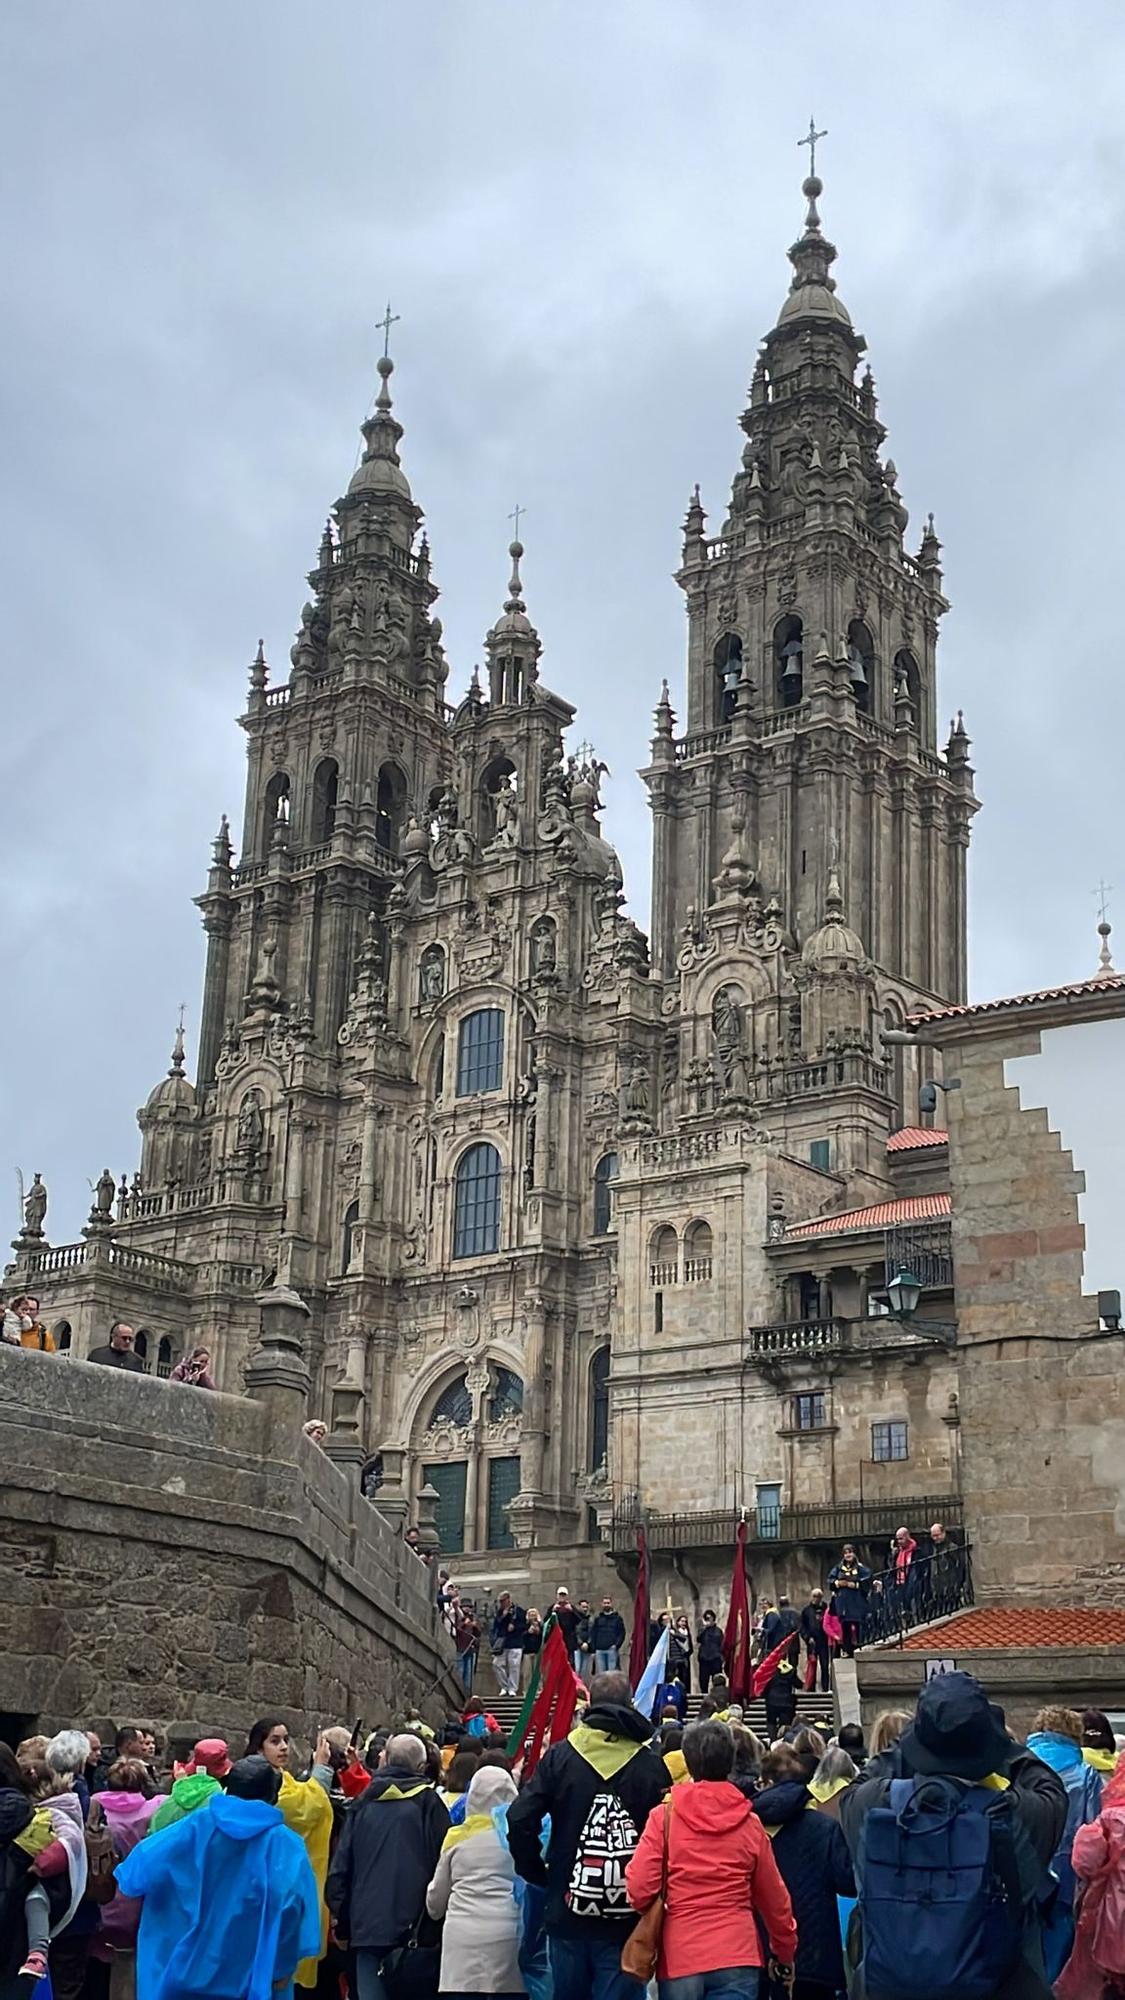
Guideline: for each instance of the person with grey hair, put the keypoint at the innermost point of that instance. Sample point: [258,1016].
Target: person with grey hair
[834,1773]
[474,1890]
[384,1863]
[68,1752]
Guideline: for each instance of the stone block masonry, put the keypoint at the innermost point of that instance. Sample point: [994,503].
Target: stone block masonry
[191,1558]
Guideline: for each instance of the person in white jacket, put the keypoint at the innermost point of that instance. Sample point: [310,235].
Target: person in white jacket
[474,1889]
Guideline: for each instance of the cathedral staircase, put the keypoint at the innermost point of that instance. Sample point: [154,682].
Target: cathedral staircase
[816,1710]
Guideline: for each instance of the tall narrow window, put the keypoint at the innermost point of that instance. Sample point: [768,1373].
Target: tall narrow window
[480,1052]
[390,808]
[325,786]
[277,804]
[789,657]
[599,1410]
[861,666]
[664,1254]
[728,674]
[810,1411]
[605,1173]
[164,1358]
[140,1347]
[347,1245]
[476,1203]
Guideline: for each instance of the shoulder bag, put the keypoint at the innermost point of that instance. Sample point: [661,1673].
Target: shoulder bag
[641,1949]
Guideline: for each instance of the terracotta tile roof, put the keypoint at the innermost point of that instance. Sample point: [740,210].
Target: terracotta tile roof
[1021,1625]
[1108,983]
[885,1214]
[913,1138]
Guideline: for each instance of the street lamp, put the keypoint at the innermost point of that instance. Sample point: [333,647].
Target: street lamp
[903,1294]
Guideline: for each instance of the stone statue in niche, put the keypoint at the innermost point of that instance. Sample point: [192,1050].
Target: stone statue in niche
[729,1030]
[544,949]
[251,1125]
[431,977]
[506,809]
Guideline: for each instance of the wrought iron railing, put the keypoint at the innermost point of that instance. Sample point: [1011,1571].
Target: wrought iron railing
[936,1584]
[836,1522]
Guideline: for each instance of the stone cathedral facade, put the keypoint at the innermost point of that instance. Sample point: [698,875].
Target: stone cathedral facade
[587,1223]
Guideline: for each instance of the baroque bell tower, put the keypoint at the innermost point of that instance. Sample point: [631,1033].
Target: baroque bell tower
[812,714]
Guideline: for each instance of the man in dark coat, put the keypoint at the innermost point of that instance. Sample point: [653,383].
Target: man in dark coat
[607,1636]
[812,1632]
[604,1769]
[386,1856]
[778,1625]
[957,1734]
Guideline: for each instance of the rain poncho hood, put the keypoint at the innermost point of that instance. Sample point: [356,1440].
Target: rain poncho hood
[186,1796]
[230,1903]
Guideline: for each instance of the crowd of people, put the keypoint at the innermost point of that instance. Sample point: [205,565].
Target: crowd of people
[22,1326]
[942,1859]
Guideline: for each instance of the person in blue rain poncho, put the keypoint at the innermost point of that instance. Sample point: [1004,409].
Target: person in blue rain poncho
[231,1904]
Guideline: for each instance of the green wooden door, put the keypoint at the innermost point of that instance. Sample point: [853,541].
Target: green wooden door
[448,1482]
[503,1485]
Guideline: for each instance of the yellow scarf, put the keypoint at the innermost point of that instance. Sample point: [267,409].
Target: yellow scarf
[307,1809]
[608,1754]
[472,1823]
[823,1792]
[1101,1760]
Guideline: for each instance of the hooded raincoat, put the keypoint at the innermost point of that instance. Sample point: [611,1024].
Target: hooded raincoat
[229,1904]
[721,1877]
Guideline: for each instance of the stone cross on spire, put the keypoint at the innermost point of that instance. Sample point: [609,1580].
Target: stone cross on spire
[809,140]
[388,320]
[517,510]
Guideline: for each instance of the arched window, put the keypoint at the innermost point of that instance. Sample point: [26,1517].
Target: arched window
[697,1253]
[164,1358]
[347,1241]
[62,1333]
[664,1255]
[454,1405]
[506,1399]
[908,681]
[789,662]
[728,674]
[476,1203]
[325,786]
[140,1346]
[598,1436]
[431,975]
[861,666]
[390,808]
[480,1052]
[604,1173]
[277,804]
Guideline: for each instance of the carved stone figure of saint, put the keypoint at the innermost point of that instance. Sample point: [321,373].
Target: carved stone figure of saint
[634,1098]
[105,1192]
[251,1128]
[35,1207]
[730,1043]
[432,976]
[505,808]
[544,951]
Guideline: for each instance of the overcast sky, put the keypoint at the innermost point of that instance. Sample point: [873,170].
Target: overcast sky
[581,212]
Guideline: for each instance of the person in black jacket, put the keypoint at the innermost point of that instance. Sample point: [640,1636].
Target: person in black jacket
[812,1632]
[602,1773]
[385,1859]
[781,1699]
[507,1634]
[606,1637]
[709,1651]
[957,1734]
[814,1864]
[680,1650]
[778,1625]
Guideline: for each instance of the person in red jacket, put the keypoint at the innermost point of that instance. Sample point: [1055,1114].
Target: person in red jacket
[721,1876]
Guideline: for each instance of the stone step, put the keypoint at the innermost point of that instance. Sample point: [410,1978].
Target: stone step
[817,1710]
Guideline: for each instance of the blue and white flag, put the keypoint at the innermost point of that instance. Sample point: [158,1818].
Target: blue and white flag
[654,1676]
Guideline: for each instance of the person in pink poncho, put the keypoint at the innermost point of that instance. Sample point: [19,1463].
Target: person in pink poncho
[1095,1969]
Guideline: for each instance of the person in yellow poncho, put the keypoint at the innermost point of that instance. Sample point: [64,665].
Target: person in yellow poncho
[305,1807]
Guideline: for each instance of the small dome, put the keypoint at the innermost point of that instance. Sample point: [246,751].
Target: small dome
[172,1093]
[375,474]
[834,944]
[815,300]
[415,841]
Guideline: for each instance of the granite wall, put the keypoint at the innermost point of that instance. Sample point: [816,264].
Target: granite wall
[193,1559]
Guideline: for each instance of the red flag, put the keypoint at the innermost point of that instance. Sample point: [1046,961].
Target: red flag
[737,1635]
[766,1669]
[553,1709]
[810,1673]
[638,1645]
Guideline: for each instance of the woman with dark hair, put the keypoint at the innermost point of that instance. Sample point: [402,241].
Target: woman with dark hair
[812,1856]
[306,1807]
[706,1853]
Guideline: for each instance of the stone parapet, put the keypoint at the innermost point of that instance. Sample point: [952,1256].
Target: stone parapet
[177,1554]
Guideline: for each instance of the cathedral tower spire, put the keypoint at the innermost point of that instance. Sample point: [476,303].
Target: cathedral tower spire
[812,663]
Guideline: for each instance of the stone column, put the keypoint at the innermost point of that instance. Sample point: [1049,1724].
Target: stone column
[277,1373]
[427,1518]
[392,1499]
[344,1442]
